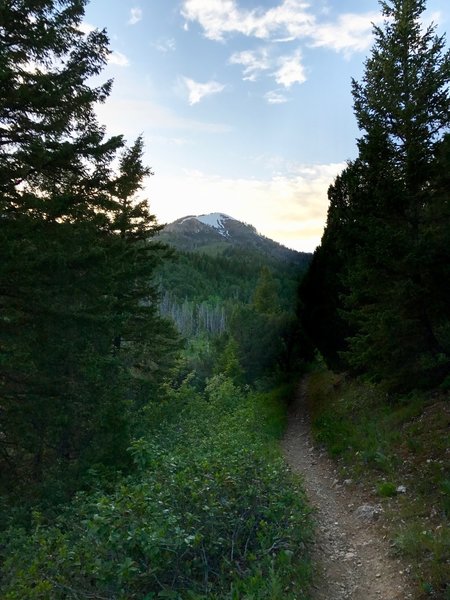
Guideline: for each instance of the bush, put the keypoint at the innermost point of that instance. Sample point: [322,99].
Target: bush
[213,513]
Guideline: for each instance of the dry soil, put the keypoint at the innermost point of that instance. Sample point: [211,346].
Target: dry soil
[352,559]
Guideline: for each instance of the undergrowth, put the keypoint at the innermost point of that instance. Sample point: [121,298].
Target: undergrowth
[400,450]
[212,513]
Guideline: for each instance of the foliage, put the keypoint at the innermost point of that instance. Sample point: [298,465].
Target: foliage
[380,275]
[211,513]
[265,296]
[237,307]
[386,489]
[82,345]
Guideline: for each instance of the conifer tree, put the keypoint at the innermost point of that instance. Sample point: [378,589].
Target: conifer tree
[265,296]
[76,262]
[383,253]
[403,108]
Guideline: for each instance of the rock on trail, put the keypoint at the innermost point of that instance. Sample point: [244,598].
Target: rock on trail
[353,562]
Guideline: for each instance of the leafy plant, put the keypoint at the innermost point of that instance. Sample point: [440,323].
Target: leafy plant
[212,512]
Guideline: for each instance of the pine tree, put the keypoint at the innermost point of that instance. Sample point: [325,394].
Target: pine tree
[376,296]
[144,340]
[76,262]
[403,109]
[265,296]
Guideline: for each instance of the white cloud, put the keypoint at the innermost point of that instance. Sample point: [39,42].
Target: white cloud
[290,70]
[135,16]
[165,45]
[351,33]
[289,208]
[275,97]
[131,117]
[290,20]
[118,59]
[325,9]
[221,17]
[254,62]
[86,27]
[197,91]
[287,69]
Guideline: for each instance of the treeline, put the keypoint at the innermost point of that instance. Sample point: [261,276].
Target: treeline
[237,312]
[192,318]
[376,298]
[231,275]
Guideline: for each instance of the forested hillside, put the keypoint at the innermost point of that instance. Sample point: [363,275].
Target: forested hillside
[134,461]
[218,234]
[145,372]
[237,309]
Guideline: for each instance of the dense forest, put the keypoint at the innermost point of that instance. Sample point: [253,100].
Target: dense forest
[238,313]
[143,388]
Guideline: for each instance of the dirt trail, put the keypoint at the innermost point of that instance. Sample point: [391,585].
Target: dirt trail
[353,561]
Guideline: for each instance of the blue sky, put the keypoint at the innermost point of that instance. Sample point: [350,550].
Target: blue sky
[244,105]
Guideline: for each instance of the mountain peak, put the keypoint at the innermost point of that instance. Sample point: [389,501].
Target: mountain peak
[218,234]
[217,221]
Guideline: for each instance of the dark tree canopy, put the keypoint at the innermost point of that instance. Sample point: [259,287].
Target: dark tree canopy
[81,344]
[384,255]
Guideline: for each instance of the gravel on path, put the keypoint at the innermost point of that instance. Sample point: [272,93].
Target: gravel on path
[352,560]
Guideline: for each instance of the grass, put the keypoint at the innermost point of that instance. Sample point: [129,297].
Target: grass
[399,451]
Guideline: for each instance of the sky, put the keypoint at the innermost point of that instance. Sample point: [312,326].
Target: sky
[245,106]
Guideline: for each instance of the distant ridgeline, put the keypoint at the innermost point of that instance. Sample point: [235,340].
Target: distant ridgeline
[216,234]
[223,275]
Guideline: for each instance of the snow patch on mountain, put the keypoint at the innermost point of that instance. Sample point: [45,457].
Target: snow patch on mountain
[215,220]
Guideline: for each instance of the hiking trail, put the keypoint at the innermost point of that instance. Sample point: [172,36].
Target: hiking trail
[352,557]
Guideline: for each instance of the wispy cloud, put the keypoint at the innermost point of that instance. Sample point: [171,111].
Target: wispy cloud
[221,17]
[290,70]
[197,91]
[131,117]
[118,59]
[135,16]
[286,70]
[165,45]
[164,140]
[351,33]
[275,97]
[253,62]
[86,28]
[290,20]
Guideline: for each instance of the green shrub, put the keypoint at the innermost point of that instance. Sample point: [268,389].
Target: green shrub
[386,489]
[213,513]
